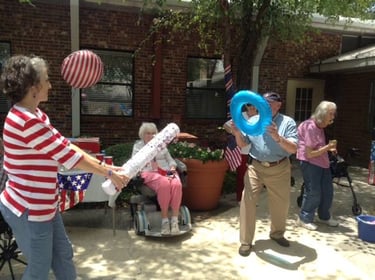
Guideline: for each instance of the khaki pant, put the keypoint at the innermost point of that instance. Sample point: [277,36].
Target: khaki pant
[277,182]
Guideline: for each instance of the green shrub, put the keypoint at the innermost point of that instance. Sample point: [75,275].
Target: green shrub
[229,185]
[120,153]
[191,150]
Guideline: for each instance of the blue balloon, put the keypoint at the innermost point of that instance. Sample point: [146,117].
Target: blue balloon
[264,110]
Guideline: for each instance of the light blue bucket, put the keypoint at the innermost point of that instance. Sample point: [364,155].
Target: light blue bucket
[366,228]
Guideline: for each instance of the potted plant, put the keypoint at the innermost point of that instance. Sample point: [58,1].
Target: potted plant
[206,169]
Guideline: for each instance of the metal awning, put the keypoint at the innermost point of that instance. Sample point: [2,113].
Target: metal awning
[360,60]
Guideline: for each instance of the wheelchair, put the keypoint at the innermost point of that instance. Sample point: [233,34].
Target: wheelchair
[145,210]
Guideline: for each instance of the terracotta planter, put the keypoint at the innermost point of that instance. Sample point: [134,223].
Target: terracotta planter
[204,183]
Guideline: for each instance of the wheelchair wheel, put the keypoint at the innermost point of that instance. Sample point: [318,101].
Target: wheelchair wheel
[356,209]
[185,215]
[140,222]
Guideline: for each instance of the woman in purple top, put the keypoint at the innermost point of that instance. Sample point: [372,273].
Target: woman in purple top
[312,152]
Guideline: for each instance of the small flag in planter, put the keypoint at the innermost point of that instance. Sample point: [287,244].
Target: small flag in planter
[232,154]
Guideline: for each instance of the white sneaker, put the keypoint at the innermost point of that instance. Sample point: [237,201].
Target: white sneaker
[331,222]
[309,226]
[174,228]
[165,228]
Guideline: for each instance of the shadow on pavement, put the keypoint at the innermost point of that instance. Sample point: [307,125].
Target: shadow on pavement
[288,258]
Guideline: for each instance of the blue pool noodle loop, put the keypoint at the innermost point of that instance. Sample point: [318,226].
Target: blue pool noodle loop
[264,110]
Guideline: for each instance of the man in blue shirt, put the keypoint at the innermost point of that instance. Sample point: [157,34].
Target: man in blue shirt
[269,166]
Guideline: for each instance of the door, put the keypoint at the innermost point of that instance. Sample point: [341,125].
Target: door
[303,95]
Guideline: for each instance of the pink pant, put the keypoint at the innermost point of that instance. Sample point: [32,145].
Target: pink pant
[168,189]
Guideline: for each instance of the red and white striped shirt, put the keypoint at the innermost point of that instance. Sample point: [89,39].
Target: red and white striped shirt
[33,149]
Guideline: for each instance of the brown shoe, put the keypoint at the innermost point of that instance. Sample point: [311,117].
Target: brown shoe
[245,249]
[282,241]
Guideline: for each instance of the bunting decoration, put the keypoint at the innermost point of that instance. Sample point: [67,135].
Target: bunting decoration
[72,189]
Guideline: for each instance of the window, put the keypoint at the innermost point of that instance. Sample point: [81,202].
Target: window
[303,104]
[113,94]
[4,55]
[205,90]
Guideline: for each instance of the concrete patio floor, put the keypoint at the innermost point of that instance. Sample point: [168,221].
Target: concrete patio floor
[210,251]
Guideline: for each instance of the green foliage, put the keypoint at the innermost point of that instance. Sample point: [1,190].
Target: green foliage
[193,151]
[239,28]
[283,18]
[120,152]
[230,183]
[124,198]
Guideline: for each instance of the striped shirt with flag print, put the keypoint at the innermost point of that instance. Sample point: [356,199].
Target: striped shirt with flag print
[33,149]
[232,152]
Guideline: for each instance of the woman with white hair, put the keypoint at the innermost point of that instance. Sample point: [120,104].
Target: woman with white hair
[312,152]
[161,176]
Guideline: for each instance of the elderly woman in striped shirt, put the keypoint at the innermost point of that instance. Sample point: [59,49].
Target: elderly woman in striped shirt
[33,149]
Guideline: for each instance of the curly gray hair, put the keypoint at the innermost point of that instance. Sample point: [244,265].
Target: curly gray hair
[20,73]
[322,110]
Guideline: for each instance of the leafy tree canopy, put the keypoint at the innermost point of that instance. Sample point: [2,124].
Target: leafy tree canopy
[285,19]
[250,22]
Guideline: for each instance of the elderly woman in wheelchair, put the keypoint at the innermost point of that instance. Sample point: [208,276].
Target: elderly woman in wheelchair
[161,176]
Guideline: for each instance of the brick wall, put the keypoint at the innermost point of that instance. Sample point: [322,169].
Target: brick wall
[45,30]
[41,30]
[351,93]
[283,61]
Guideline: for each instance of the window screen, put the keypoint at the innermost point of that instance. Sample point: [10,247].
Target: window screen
[205,91]
[113,94]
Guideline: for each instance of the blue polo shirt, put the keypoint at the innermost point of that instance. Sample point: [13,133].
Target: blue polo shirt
[264,148]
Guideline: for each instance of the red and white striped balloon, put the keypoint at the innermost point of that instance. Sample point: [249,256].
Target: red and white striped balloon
[82,69]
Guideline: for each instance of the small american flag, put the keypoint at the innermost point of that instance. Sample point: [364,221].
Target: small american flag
[72,188]
[232,152]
